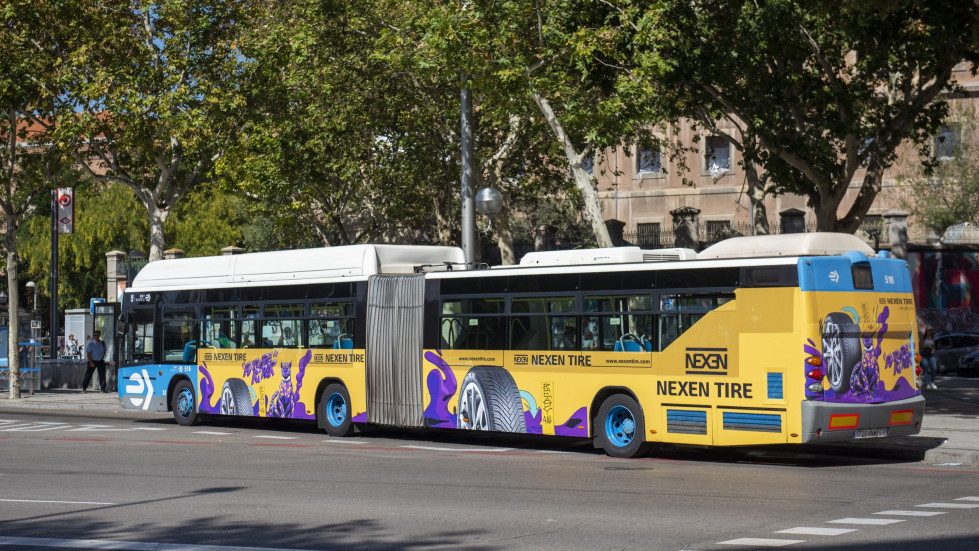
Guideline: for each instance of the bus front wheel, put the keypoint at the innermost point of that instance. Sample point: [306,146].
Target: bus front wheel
[334,410]
[619,427]
[184,404]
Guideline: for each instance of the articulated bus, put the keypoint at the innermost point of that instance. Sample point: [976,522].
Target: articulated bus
[756,340]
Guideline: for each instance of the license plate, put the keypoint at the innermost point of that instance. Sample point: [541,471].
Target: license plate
[870,433]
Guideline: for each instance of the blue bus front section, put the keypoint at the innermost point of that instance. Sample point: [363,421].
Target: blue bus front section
[145,387]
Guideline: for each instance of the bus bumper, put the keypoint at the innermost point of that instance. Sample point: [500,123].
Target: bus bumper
[829,422]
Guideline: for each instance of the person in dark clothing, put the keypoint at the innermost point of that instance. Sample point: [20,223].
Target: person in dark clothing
[95,352]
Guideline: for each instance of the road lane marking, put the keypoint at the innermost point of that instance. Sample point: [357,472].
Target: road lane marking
[344,441]
[445,449]
[127,545]
[967,498]
[874,521]
[214,432]
[950,505]
[816,531]
[34,427]
[912,513]
[275,437]
[760,542]
[53,501]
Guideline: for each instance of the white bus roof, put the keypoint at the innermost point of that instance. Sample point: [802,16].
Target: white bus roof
[612,255]
[789,244]
[295,266]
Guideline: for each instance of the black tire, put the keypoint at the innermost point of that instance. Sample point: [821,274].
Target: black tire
[489,400]
[841,350]
[333,412]
[183,403]
[619,427]
[236,399]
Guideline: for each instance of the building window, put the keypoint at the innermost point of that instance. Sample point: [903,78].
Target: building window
[947,142]
[648,161]
[717,155]
[717,229]
[648,235]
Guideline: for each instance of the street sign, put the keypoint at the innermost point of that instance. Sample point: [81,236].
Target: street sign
[35,324]
[66,210]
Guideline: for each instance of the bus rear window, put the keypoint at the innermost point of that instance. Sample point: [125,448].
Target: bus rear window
[862,277]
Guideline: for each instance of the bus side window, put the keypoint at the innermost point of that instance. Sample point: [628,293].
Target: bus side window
[678,313]
[179,338]
[331,325]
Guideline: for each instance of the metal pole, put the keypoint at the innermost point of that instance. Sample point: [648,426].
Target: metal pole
[53,325]
[468,201]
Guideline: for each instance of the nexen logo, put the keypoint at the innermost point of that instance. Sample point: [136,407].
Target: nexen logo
[707,361]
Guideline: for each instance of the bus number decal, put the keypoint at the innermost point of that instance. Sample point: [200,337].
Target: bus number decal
[706,361]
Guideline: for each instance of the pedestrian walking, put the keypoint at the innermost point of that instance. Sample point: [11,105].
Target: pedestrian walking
[95,352]
[929,364]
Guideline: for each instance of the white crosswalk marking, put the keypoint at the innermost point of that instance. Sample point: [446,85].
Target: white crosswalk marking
[967,498]
[912,513]
[816,531]
[270,437]
[760,542]
[212,432]
[950,505]
[35,427]
[873,521]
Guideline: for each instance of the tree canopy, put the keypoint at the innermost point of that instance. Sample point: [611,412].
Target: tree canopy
[822,93]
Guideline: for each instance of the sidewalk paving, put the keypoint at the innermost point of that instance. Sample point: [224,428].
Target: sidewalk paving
[949,435]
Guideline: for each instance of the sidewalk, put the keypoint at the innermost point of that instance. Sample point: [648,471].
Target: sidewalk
[950,433]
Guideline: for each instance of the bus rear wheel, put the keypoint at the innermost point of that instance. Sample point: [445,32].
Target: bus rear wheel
[619,427]
[184,404]
[334,410]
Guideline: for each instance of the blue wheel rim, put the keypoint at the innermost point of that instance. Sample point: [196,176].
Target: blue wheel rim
[185,402]
[336,409]
[620,426]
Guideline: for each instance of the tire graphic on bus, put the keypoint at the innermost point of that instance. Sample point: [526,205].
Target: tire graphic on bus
[236,398]
[841,350]
[489,400]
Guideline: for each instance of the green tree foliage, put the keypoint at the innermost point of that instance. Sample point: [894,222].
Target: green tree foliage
[345,142]
[817,90]
[156,96]
[944,183]
[557,63]
[30,80]
[107,218]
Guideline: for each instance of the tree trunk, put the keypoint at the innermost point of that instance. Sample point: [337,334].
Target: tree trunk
[756,197]
[504,237]
[582,180]
[852,220]
[13,335]
[158,216]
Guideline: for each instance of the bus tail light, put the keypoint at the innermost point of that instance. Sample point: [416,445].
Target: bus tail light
[917,358]
[815,388]
[814,361]
[917,370]
[816,374]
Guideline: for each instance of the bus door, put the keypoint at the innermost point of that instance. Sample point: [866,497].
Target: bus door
[395,321]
